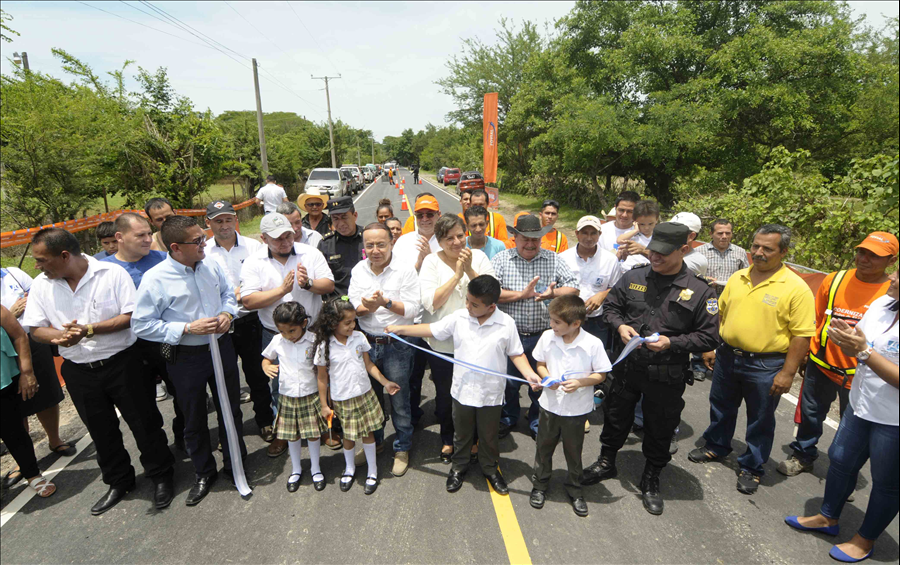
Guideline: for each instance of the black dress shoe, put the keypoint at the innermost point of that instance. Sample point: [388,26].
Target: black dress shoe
[599,471]
[371,485]
[498,483]
[110,499]
[445,457]
[454,481]
[345,485]
[292,486]
[504,431]
[320,484]
[580,506]
[537,499]
[164,494]
[200,489]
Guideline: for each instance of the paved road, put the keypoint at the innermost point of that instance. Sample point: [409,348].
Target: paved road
[413,520]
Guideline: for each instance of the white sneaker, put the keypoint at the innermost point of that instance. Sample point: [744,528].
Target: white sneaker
[161,392]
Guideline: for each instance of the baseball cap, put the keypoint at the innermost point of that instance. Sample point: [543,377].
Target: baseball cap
[427,203]
[218,208]
[880,243]
[669,236]
[692,221]
[339,205]
[275,225]
[592,221]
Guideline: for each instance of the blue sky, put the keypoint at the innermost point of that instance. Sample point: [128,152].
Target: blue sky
[388,53]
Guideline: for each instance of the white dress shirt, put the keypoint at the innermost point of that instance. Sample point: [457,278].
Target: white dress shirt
[173,295]
[310,237]
[347,377]
[297,376]
[262,272]
[14,283]
[231,259]
[585,353]
[397,283]
[488,345]
[406,248]
[871,397]
[609,234]
[435,274]
[595,274]
[104,292]
[271,196]
[697,262]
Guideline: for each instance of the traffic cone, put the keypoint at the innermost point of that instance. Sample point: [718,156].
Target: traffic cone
[397,185]
[420,181]
[404,207]
[401,191]
[402,181]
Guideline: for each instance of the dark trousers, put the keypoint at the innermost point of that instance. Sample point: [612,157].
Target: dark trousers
[122,384]
[511,408]
[552,429]
[247,341]
[442,374]
[818,393]
[12,430]
[191,374]
[420,361]
[486,420]
[662,403]
[598,328]
[155,366]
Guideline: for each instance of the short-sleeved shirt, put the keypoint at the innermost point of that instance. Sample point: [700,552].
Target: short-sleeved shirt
[594,274]
[871,397]
[609,236]
[14,283]
[296,371]
[136,269]
[102,255]
[347,376]
[697,263]
[586,354]
[398,281]
[271,196]
[231,260]
[492,246]
[262,272]
[514,273]
[488,345]
[723,264]
[764,318]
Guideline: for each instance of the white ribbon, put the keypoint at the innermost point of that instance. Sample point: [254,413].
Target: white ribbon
[234,448]
[634,343]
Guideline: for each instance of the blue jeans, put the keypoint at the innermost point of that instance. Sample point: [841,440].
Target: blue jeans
[267,337]
[509,416]
[856,441]
[815,401]
[736,380]
[395,361]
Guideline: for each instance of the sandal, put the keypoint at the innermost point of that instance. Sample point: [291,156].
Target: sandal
[43,487]
[65,449]
[12,477]
[702,455]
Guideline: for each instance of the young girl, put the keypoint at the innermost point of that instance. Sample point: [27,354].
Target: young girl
[343,363]
[299,409]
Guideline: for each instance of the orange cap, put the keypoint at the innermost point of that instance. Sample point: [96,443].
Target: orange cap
[427,203]
[881,243]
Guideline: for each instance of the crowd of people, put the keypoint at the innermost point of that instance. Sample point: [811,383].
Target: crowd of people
[327,316]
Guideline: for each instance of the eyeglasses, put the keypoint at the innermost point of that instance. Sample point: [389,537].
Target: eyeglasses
[314,204]
[378,246]
[199,241]
[426,215]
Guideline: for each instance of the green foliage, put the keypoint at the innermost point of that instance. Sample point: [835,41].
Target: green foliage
[5,30]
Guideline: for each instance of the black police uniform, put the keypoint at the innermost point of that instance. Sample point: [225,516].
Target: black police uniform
[341,252]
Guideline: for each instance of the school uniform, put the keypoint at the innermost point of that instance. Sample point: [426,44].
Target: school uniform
[478,397]
[562,414]
[299,409]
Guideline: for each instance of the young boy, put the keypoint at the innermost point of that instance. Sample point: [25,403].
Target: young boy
[106,235]
[565,407]
[485,336]
[633,243]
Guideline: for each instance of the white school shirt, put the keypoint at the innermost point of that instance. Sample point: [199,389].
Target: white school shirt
[871,397]
[271,196]
[595,274]
[585,353]
[105,291]
[297,376]
[14,283]
[637,259]
[406,247]
[435,274]
[262,272]
[609,234]
[347,377]
[488,345]
[398,281]
[232,260]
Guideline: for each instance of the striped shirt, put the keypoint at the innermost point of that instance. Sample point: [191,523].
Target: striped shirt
[723,264]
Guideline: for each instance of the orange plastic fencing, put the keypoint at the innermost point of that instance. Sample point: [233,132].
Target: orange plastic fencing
[23,236]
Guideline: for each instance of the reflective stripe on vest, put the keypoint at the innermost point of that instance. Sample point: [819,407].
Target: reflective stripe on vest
[493,227]
[558,240]
[819,358]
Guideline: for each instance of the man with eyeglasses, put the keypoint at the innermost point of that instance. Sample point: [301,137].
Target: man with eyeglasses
[554,240]
[180,303]
[413,247]
[314,204]
[343,247]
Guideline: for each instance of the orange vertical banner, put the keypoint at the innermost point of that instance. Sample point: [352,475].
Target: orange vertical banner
[490,137]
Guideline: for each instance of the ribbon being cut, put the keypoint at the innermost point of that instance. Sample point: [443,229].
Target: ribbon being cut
[237,466]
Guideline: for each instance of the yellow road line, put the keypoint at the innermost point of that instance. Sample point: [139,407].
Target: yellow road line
[509,529]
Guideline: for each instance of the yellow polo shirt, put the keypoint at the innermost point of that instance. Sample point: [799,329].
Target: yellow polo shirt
[764,318]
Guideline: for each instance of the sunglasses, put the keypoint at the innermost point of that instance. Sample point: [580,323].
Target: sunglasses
[199,241]
[426,215]
[314,204]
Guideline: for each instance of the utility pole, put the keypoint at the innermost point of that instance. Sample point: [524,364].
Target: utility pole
[358,157]
[21,60]
[373,150]
[259,122]
[330,125]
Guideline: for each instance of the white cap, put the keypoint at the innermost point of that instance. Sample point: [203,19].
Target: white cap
[588,221]
[692,221]
[275,225]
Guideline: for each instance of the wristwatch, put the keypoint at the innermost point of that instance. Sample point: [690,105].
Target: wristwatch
[389,304]
[90,331]
[307,285]
[864,355]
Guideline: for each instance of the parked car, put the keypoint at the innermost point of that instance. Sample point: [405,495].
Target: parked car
[440,174]
[327,181]
[357,172]
[470,180]
[353,183]
[369,173]
[451,176]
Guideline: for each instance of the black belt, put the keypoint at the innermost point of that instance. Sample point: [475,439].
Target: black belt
[750,354]
[195,349]
[531,334]
[103,362]
[378,339]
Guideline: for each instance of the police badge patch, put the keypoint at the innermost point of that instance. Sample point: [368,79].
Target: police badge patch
[712,306]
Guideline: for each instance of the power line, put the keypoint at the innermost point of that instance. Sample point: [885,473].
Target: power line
[145,25]
[189,28]
[319,47]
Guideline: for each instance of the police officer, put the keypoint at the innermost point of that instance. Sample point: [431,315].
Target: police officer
[665,298]
[343,246]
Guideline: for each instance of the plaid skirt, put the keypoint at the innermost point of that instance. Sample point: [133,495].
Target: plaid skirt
[360,415]
[299,418]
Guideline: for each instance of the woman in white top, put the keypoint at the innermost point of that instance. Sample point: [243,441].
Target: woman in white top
[869,430]
[444,280]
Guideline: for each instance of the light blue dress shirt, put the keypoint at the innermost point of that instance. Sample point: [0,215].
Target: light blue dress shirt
[172,295]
